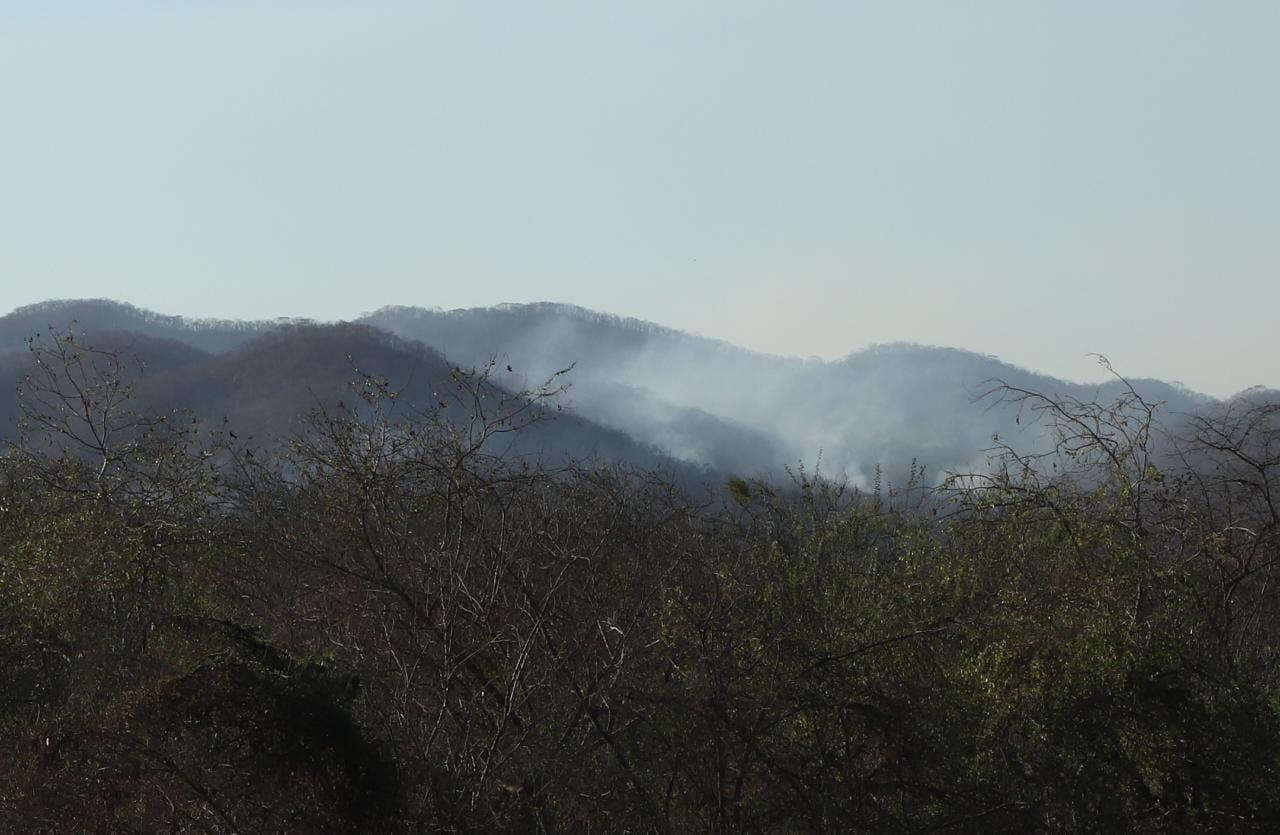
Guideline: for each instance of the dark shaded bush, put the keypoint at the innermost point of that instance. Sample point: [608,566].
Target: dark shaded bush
[243,741]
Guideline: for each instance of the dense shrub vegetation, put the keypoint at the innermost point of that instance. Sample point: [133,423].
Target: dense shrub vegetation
[392,626]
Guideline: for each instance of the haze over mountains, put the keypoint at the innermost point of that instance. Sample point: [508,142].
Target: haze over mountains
[638,392]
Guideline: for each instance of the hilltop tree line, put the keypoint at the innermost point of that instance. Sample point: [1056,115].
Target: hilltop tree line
[395,623]
[644,388]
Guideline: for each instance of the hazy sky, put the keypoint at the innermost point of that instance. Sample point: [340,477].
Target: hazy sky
[1026,179]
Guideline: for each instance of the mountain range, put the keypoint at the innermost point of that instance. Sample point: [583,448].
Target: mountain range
[638,392]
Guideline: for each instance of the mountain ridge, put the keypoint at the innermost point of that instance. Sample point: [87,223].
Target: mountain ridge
[701,401]
[35,312]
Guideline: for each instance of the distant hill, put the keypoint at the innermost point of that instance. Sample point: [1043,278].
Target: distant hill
[263,387]
[884,406]
[639,391]
[102,315]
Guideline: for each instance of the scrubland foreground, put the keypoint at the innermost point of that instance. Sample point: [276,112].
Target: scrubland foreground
[389,625]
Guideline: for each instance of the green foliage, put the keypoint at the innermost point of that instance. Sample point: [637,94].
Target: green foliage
[395,628]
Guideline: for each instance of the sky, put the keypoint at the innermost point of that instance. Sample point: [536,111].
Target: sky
[1038,181]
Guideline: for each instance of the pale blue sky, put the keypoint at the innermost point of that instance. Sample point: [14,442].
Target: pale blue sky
[1031,180]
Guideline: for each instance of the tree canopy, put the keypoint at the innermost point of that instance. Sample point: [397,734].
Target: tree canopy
[395,624]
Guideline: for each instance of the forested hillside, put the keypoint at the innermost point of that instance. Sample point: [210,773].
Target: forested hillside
[698,401]
[103,316]
[399,622]
[263,387]
[878,408]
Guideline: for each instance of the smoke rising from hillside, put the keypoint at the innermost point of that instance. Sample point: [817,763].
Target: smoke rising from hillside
[749,413]
[634,387]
